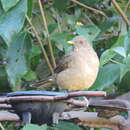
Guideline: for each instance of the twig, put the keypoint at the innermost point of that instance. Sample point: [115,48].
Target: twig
[5,106]
[119,10]
[114,61]
[51,98]
[48,36]
[41,45]
[127,6]
[114,103]
[87,93]
[90,119]
[57,17]
[7,116]
[90,8]
[76,102]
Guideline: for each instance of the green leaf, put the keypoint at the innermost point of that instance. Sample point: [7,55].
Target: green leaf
[120,41]
[127,43]
[91,32]
[124,68]
[34,127]
[60,5]
[108,23]
[4,84]
[17,55]
[106,56]
[60,40]
[62,125]
[77,13]
[106,77]
[120,51]
[7,4]
[36,51]
[30,75]
[30,6]
[1,9]
[12,21]
[90,2]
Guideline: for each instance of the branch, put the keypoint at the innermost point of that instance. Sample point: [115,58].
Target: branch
[113,103]
[5,106]
[87,93]
[48,36]
[90,119]
[51,98]
[89,8]
[119,10]
[8,116]
[41,45]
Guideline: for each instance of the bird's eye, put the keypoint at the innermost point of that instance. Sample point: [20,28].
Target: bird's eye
[80,41]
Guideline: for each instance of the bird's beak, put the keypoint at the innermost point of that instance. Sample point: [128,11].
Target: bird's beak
[71,43]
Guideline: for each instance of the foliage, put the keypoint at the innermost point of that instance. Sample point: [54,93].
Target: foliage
[21,56]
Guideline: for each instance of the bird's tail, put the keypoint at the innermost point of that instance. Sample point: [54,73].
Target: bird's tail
[44,82]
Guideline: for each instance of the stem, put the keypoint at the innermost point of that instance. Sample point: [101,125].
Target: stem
[127,6]
[57,19]
[90,8]
[114,61]
[119,10]
[1,126]
[48,36]
[41,45]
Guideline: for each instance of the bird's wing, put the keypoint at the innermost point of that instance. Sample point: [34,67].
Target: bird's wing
[63,63]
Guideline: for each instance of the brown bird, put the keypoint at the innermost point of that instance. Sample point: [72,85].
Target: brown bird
[77,70]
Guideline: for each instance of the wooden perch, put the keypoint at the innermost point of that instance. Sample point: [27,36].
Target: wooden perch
[51,98]
[117,103]
[5,106]
[90,119]
[8,116]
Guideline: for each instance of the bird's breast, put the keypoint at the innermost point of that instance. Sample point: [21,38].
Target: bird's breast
[81,72]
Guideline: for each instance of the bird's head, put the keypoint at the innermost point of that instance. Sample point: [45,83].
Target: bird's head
[79,41]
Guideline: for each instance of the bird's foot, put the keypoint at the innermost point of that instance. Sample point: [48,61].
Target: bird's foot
[26,117]
[86,101]
[55,118]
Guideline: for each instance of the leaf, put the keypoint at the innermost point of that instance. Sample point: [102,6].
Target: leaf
[4,84]
[30,75]
[7,4]
[30,6]
[1,9]
[108,23]
[124,68]
[17,55]
[91,2]
[127,43]
[120,51]
[36,51]
[62,125]
[106,56]
[12,21]
[91,32]
[34,127]
[60,5]
[120,41]
[77,13]
[107,75]
[60,40]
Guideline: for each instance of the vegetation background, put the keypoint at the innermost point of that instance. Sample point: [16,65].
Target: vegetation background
[27,36]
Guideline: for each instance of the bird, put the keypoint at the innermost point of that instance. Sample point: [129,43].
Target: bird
[77,70]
